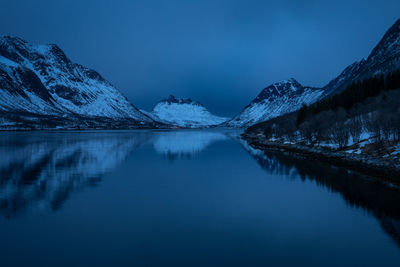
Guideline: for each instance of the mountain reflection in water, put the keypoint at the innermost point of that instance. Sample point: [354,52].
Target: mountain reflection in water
[381,200]
[39,171]
[185,144]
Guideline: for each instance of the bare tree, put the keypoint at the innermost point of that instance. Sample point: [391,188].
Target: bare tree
[355,128]
[340,134]
[306,131]
[374,126]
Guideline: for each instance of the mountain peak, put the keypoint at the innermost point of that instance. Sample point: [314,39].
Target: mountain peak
[292,83]
[172,99]
[291,80]
[12,39]
[278,89]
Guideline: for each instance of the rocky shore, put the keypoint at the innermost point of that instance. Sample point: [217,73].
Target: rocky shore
[385,169]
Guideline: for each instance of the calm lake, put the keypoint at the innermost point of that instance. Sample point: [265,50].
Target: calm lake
[184,198]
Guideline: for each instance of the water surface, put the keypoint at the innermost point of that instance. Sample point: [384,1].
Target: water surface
[184,198]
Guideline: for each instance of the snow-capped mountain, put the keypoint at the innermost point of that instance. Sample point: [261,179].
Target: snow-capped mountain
[184,113]
[287,96]
[275,100]
[40,79]
[384,58]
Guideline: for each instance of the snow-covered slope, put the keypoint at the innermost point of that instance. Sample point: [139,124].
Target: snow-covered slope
[275,100]
[184,113]
[40,79]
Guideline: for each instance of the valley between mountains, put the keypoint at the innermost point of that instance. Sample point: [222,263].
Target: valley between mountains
[41,88]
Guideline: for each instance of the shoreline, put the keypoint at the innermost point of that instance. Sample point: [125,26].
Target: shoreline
[72,129]
[378,168]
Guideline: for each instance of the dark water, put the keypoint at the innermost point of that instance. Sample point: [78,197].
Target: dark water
[188,198]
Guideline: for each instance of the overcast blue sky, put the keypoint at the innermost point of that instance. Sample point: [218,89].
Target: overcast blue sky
[221,53]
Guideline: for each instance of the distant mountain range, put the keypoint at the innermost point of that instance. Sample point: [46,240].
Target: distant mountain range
[41,88]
